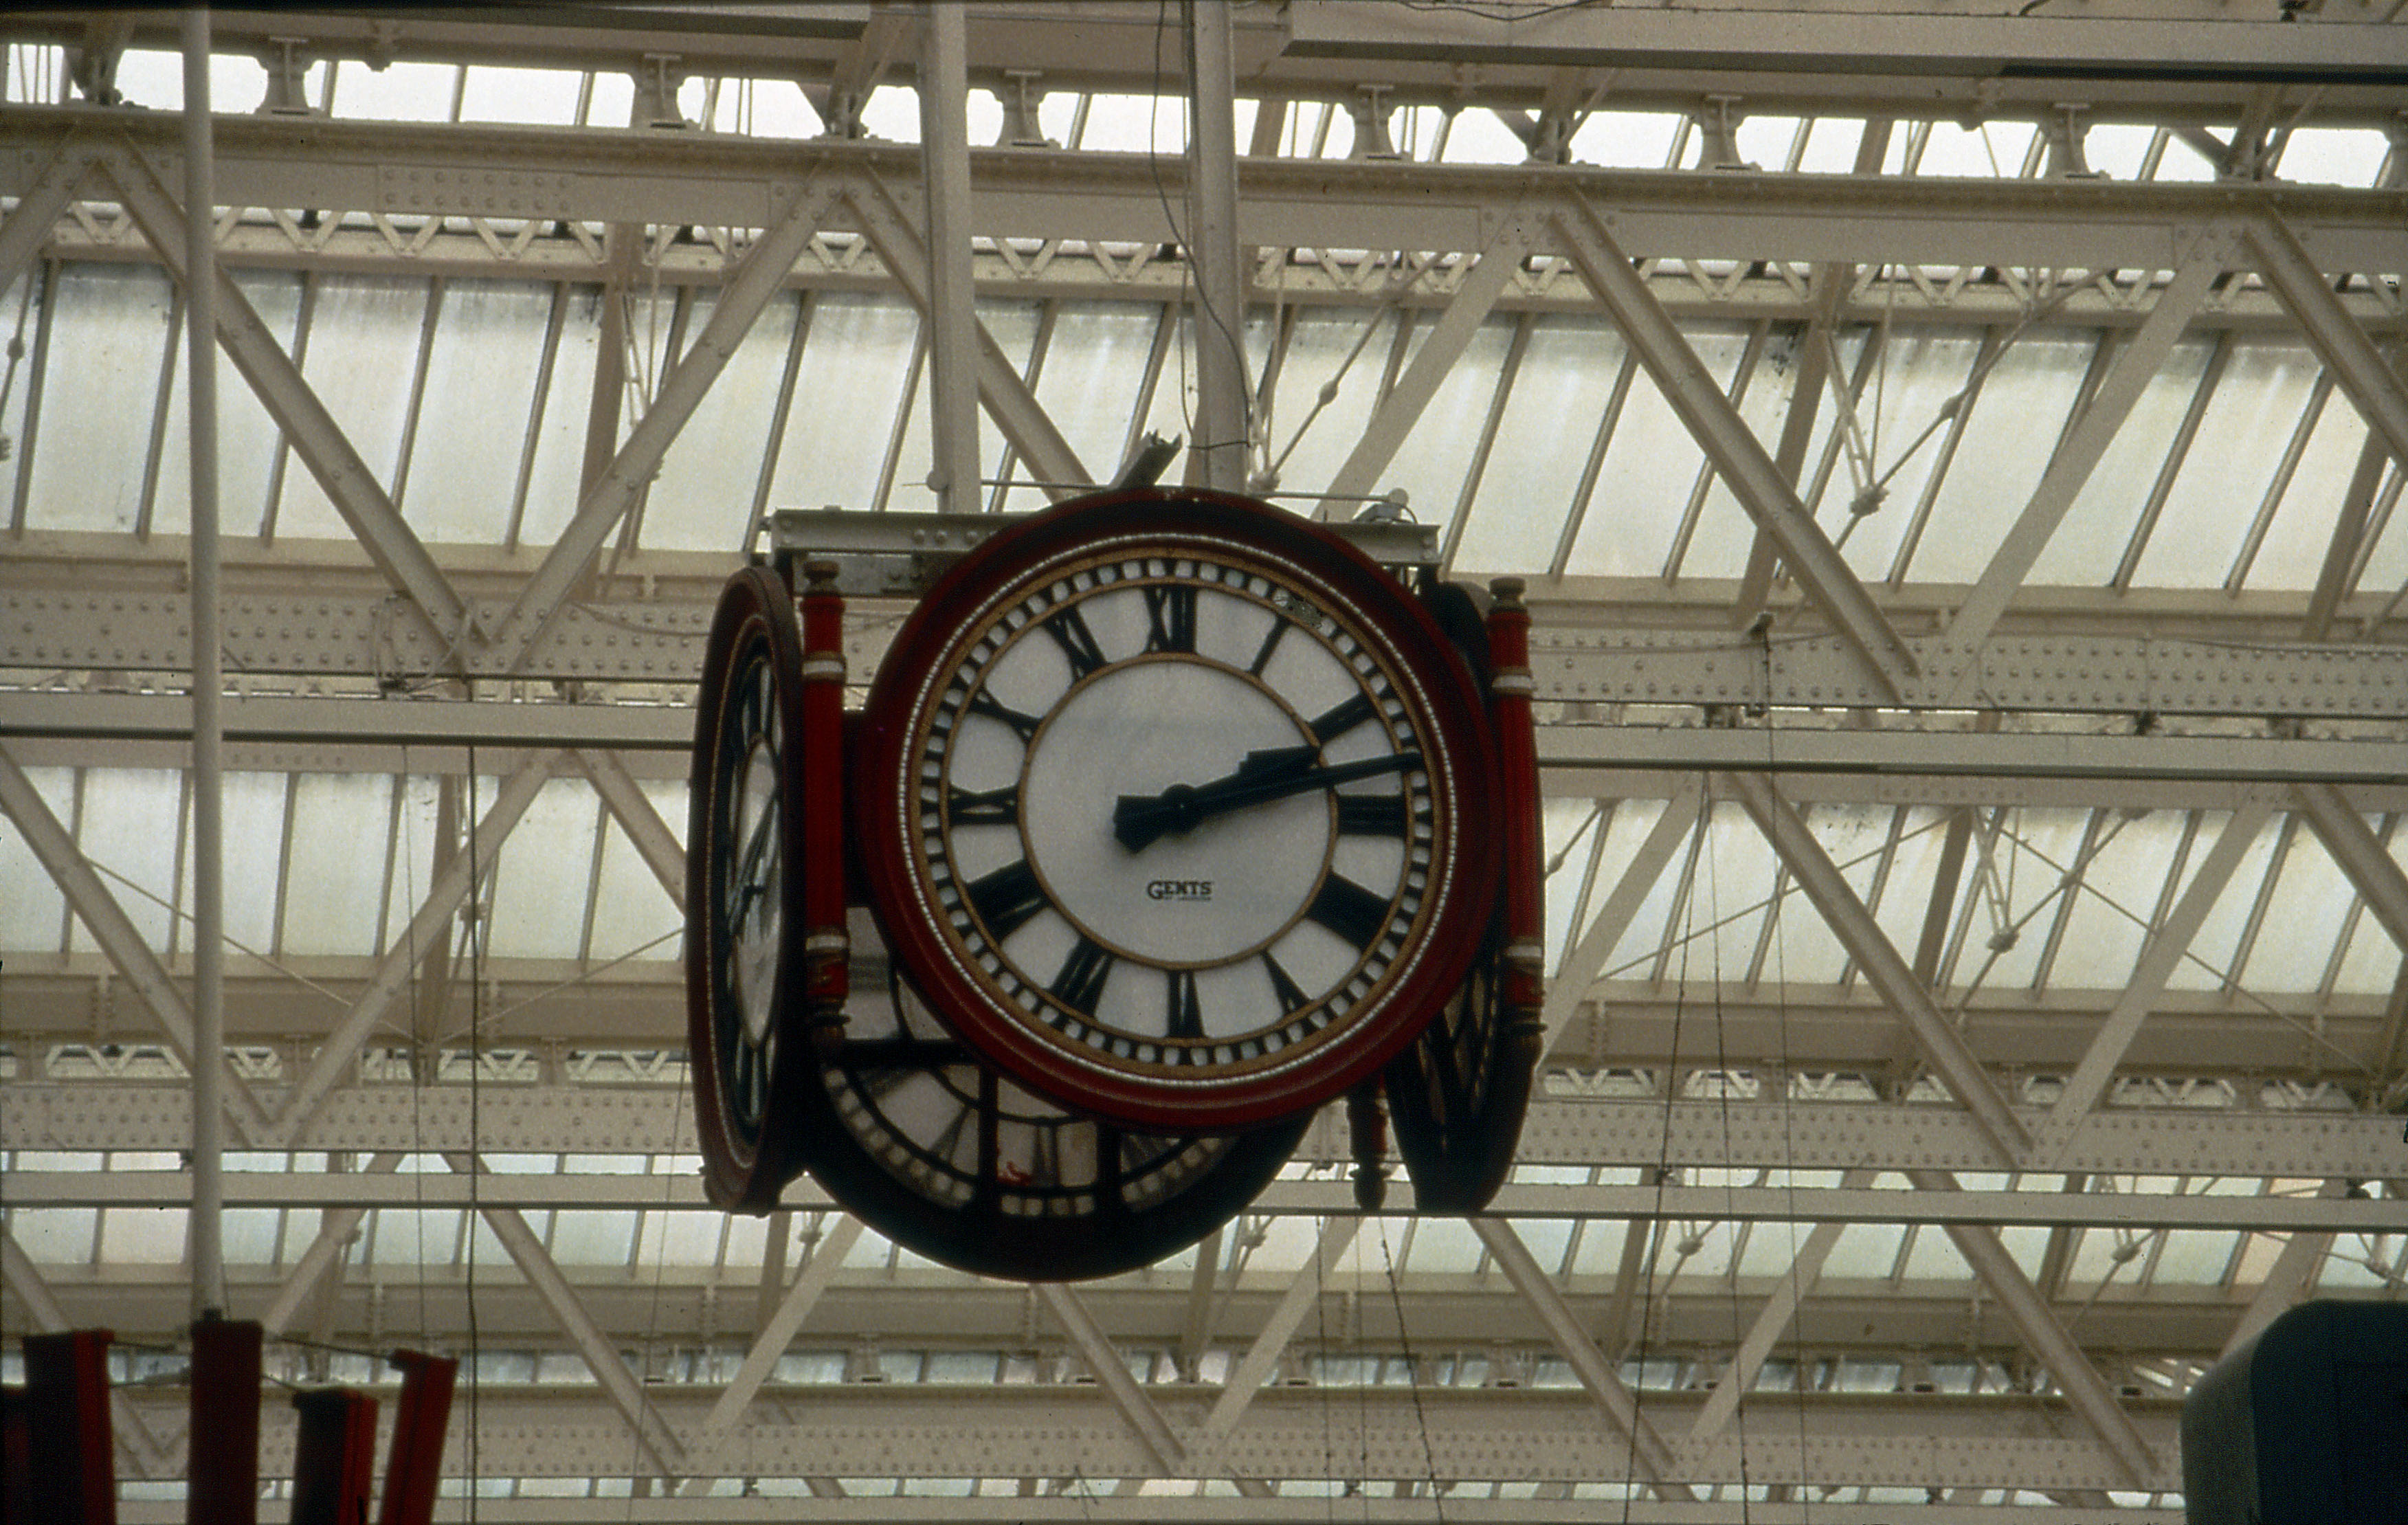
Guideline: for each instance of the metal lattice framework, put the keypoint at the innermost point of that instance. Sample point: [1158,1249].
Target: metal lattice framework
[1957,454]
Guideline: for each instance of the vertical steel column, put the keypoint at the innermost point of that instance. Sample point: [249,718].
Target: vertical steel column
[1221,422]
[208,681]
[953,317]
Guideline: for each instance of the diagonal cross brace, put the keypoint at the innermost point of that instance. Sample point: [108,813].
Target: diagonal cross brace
[1610,1393]
[443,897]
[2371,869]
[1393,420]
[1014,407]
[2079,1381]
[1852,922]
[348,482]
[36,216]
[810,1285]
[2339,339]
[1587,956]
[1753,478]
[602,1358]
[115,932]
[1136,1410]
[755,279]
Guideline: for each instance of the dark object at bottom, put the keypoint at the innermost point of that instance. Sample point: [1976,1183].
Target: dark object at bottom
[2307,1424]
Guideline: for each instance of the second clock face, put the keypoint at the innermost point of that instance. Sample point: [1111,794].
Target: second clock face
[1182,821]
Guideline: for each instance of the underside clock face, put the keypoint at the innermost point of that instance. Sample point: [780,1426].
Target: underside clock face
[938,1152]
[744,951]
[1174,810]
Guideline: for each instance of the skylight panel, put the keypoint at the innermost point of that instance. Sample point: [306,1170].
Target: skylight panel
[2291,556]
[93,433]
[1638,507]
[632,915]
[1628,139]
[1473,138]
[2335,156]
[490,92]
[481,373]
[2248,423]
[397,91]
[128,829]
[541,877]
[1831,146]
[2091,539]
[2009,432]
[356,315]
[857,358]
[336,879]
[1534,466]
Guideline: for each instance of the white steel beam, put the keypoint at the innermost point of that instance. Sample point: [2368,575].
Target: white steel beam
[450,886]
[1222,394]
[131,1428]
[1562,1128]
[2079,1381]
[1587,955]
[1129,1401]
[1246,1379]
[755,279]
[1008,401]
[336,1228]
[1772,1319]
[709,1447]
[2267,1214]
[30,222]
[2079,452]
[633,810]
[951,318]
[55,849]
[730,180]
[2337,339]
[349,484]
[660,1444]
[1397,414]
[2294,1265]
[1586,234]
[2372,870]
[1653,1458]
[2167,944]
[1854,924]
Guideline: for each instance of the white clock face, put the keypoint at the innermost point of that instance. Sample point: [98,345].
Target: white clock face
[1176,810]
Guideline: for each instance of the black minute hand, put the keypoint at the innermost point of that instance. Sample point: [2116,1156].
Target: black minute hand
[1264,776]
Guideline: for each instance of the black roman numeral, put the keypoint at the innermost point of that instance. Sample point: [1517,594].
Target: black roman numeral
[1270,643]
[983,807]
[1170,615]
[1006,899]
[1371,815]
[1343,718]
[1185,1018]
[1349,910]
[984,703]
[1081,982]
[1069,631]
[1291,995]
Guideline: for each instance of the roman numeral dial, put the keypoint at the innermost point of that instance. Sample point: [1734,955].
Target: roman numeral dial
[1183,787]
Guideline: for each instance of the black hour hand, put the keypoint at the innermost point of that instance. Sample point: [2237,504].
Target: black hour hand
[1273,773]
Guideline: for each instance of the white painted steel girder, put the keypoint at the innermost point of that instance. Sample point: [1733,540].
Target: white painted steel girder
[48,625]
[614,1120]
[1321,1198]
[1062,1431]
[726,181]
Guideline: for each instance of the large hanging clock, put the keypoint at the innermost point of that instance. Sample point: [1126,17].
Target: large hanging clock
[1175,807]
[941,1154]
[745,966]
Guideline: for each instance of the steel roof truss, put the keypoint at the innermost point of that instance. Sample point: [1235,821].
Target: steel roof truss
[452,884]
[130,1426]
[55,848]
[711,1449]
[1755,479]
[1852,922]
